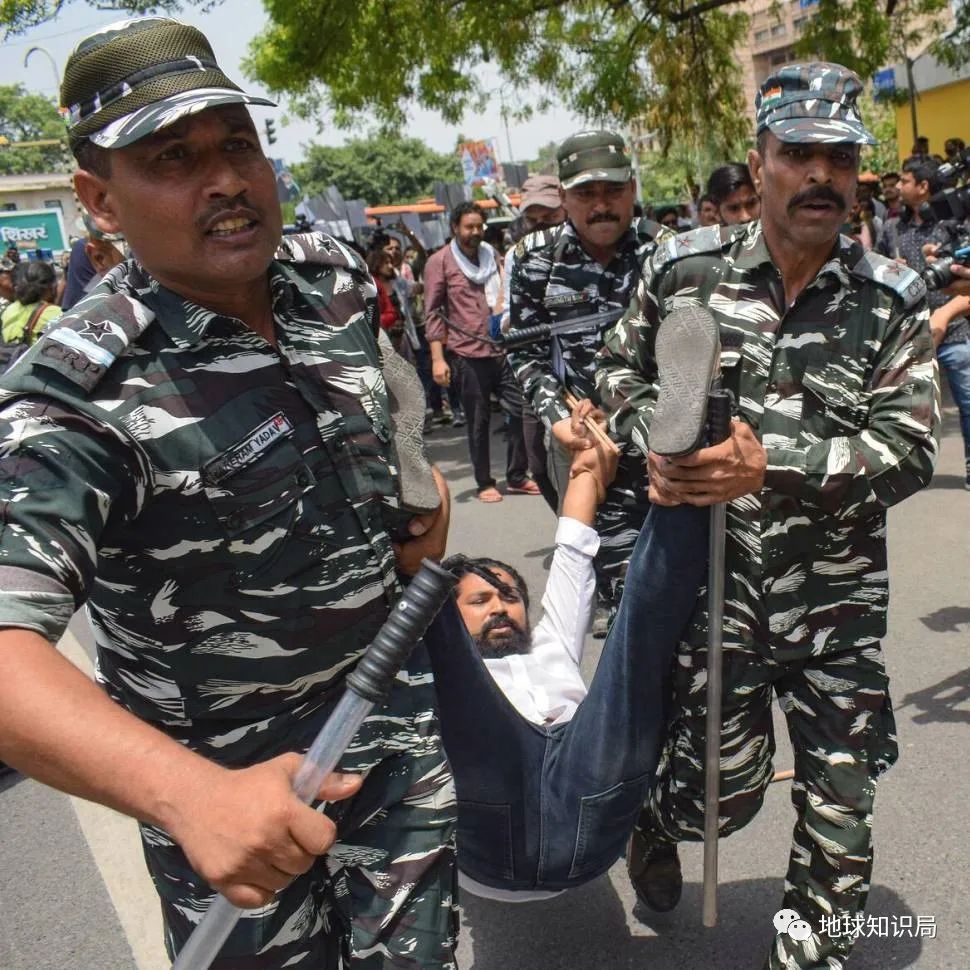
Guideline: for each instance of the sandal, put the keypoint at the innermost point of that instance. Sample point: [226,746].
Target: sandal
[528,487]
[489,495]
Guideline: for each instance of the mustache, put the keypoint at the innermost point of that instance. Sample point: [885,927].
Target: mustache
[818,193]
[503,619]
[602,217]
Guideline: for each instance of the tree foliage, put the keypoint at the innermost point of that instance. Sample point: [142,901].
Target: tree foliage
[24,118]
[867,35]
[382,169]
[611,61]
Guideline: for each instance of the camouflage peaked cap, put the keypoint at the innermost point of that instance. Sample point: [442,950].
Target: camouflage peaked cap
[131,78]
[593,156]
[812,103]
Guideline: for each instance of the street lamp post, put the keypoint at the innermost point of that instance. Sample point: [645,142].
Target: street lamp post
[53,63]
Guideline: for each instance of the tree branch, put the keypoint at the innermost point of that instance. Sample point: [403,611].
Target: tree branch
[703,7]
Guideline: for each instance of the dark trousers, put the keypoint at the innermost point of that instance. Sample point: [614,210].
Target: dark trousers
[551,808]
[479,378]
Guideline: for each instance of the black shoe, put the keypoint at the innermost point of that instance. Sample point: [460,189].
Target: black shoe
[5,770]
[654,872]
[687,352]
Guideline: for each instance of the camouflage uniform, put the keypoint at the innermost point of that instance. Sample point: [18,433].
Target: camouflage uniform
[555,280]
[842,390]
[224,509]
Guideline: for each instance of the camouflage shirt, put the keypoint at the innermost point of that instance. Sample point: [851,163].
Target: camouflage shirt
[842,390]
[555,280]
[222,506]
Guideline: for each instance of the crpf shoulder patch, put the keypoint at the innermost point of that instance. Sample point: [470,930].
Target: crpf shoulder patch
[83,344]
[317,248]
[695,242]
[904,281]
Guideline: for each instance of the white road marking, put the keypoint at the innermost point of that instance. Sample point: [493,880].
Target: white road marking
[116,849]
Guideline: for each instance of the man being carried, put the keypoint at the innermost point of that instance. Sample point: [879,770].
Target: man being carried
[827,351]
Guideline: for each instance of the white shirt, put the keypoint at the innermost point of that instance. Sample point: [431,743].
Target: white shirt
[545,685]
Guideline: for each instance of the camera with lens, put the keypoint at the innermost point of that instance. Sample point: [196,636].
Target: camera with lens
[951,205]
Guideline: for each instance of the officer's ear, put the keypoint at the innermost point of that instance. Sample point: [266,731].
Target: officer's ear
[755,167]
[94,194]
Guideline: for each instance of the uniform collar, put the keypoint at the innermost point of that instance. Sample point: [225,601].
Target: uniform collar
[753,253]
[629,239]
[186,322]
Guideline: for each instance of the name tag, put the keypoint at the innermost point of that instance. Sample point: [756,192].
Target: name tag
[249,449]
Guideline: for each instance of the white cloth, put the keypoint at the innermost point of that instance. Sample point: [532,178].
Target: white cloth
[545,685]
[485,272]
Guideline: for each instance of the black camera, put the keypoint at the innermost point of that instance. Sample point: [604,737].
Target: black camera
[950,205]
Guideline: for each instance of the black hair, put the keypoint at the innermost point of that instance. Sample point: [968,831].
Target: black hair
[665,210]
[889,175]
[33,281]
[706,198]
[484,567]
[92,158]
[464,209]
[727,179]
[924,170]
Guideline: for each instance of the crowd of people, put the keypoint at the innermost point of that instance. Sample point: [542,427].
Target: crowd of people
[206,452]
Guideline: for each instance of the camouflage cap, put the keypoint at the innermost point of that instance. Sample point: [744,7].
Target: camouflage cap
[131,78]
[593,156]
[813,102]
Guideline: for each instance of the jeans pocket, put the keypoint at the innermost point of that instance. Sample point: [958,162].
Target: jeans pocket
[605,823]
[485,841]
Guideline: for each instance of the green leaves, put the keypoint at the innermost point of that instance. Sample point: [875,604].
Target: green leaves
[384,168]
[25,118]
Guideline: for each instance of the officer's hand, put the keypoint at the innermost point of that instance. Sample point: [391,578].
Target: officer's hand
[572,434]
[429,531]
[441,372]
[710,475]
[248,835]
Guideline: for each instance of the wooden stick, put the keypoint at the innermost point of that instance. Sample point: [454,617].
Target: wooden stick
[598,433]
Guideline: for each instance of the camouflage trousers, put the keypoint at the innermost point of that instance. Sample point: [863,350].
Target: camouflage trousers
[619,519]
[842,730]
[384,896]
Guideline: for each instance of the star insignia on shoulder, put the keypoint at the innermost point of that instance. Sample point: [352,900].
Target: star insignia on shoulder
[96,330]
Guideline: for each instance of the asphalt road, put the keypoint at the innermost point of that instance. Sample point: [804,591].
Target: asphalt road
[74,896]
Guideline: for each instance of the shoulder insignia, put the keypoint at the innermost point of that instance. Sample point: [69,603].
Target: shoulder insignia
[317,248]
[533,241]
[905,282]
[694,242]
[84,343]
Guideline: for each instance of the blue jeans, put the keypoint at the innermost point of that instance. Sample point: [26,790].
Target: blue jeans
[552,808]
[954,358]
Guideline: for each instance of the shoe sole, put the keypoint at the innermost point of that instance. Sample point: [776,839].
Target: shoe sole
[419,491]
[687,352]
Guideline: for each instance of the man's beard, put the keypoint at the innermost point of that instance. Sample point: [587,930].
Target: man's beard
[514,639]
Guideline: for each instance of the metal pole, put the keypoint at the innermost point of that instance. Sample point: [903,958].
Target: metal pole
[912,97]
[50,57]
[719,421]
